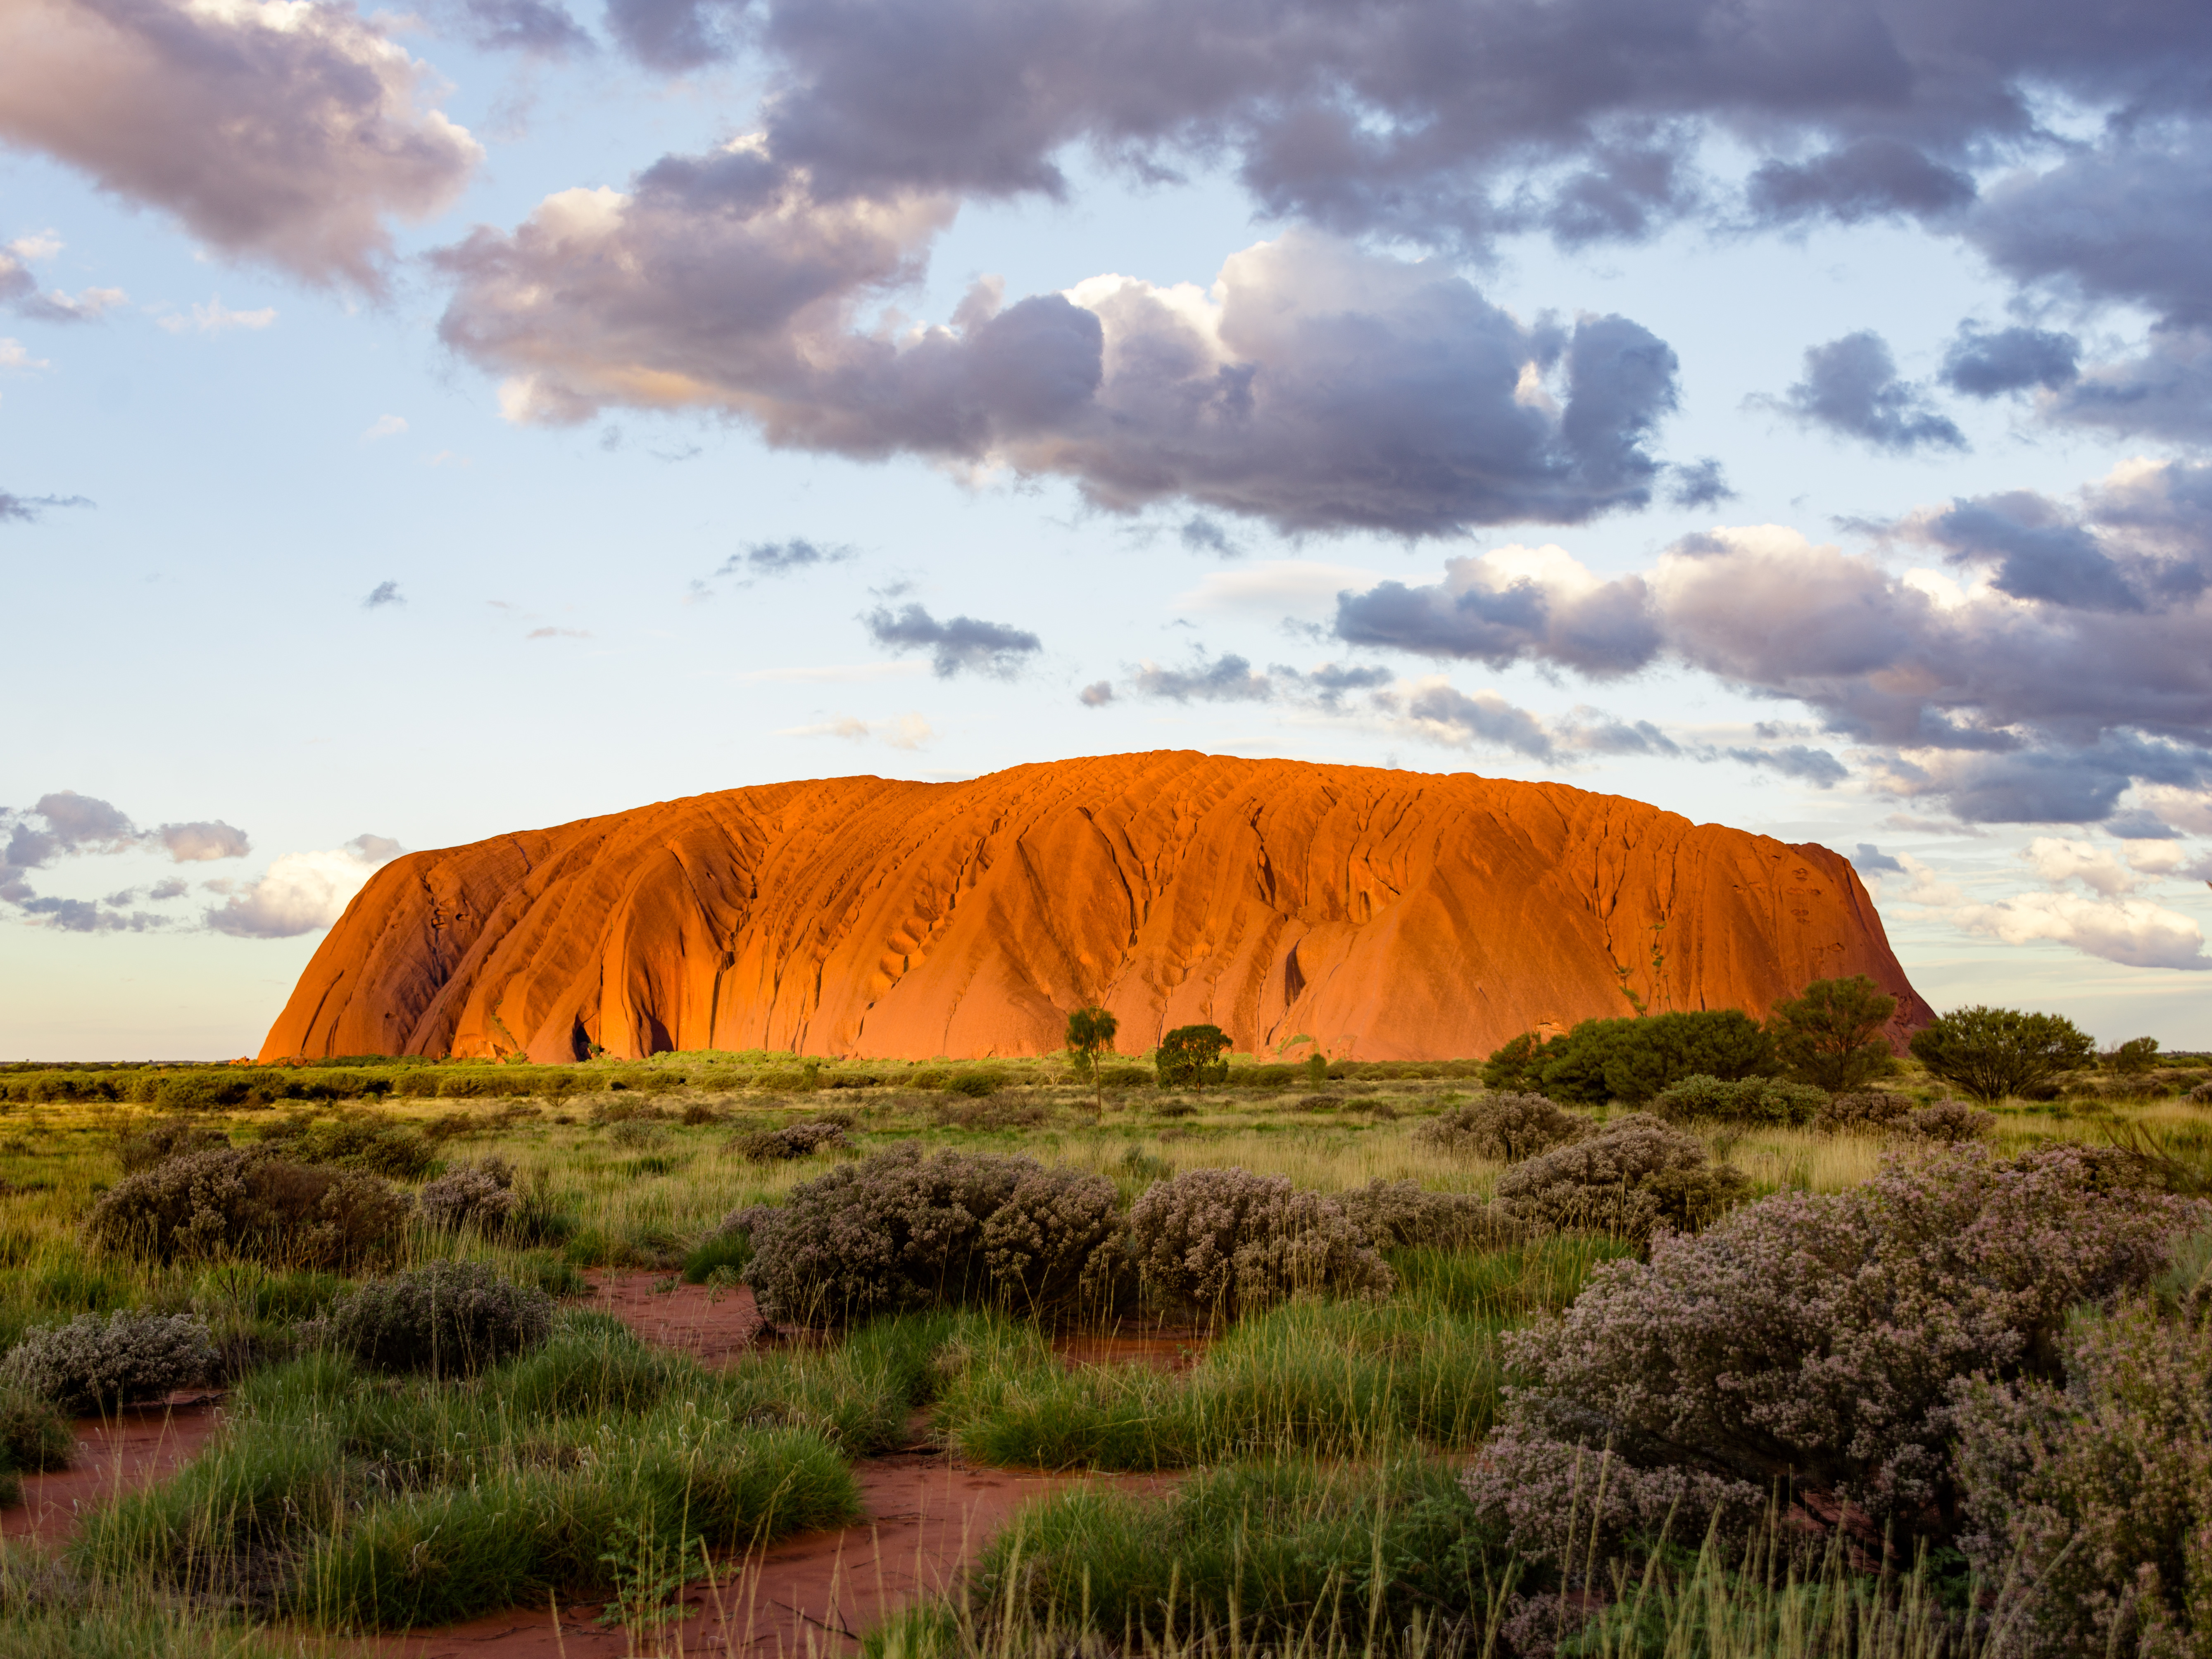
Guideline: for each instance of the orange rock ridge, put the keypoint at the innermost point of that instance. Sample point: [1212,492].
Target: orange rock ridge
[1388,916]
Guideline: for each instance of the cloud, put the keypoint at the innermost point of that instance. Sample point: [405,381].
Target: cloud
[1871,860]
[19,288]
[530,27]
[1699,484]
[954,644]
[384,594]
[1507,605]
[27,509]
[905,731]
[1096,694]
[2065,668]
[198,843]
[1982,364]
[784,558]
[384,426]
[1815,765]
[1871,178]
[2134,931]
[286,133]
[216,318]
[1227,679]
[558,634]
[1851,387]
[1451,716]
[2059,860]
[1200,534]
[173,888]
[1314,386]
[301,892]
[675,35]
[2164,392]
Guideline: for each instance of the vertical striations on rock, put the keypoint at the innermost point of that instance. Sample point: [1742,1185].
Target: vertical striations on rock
[1390,915]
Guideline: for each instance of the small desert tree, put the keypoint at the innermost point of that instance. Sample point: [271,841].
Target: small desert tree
[1191,1054]
[2135,1056]
[1089,1040]
[1831,1032]
[1990,1053]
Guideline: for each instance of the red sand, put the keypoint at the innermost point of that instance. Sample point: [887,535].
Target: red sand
[135,1449]
[929,1514]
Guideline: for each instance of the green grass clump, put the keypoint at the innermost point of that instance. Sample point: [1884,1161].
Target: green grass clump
[359,1501]
[1286,1551]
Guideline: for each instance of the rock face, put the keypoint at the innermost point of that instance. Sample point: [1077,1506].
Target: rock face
[1389,915]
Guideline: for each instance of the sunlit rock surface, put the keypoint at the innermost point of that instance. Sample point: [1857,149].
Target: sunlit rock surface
[1387,914]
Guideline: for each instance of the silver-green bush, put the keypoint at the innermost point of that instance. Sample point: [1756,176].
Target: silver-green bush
[452,1318]
[97,1362]
[1632,1174]
[1225,1241]
[1504,1127]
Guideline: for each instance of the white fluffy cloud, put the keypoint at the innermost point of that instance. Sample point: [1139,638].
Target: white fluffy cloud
[2132,931]
[302,892]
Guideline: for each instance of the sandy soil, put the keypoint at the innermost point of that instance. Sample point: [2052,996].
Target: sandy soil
[929,1514]
[135,1447]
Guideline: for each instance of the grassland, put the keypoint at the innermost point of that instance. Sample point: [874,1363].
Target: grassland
[1322,1519]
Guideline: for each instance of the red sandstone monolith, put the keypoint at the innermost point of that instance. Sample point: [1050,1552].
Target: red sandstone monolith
[1387,914]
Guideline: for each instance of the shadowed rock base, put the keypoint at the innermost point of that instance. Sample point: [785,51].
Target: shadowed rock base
[1387,914]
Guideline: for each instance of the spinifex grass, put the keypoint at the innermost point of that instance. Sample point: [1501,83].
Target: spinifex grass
[357,1501]
[1338,1378]
[1283,1555]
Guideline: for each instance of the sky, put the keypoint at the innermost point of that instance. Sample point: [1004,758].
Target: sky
[420,424]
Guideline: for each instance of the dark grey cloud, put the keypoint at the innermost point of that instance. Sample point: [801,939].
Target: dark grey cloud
[1985,364]
[382,594]
[2037,551]
[1330,681]
[1851,387]
[1871,860]
[783,558]
[676,35]
[957,643]
[173,888]
[1699,484]
[1593,733]
[1870,177]
[1330,389]
[1096,694]
[530,26]
[2164,391]
[294,136]
[1226,678]
[1808,765]
[72,824]
[27,509]
[90,916]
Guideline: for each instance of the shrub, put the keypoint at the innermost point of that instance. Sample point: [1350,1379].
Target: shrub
[1056,1242]
[1123,1077]
[1228,1242]
[95,1362]
[1190,1055]
[453,1318]
[2134,1057]
[164,1139]
[991,1114]
[33,1435]
[975,1084]
[374,1146]
[1751,1100]
[1812,1338]
[1830,1033]
[897,1231]
[1947,1122]
[1397,1214]
[2092,1493]
[1633,1058]
[1867,1112]
[1633,1173]
[794,1141]
[1504,1127]
[248,1204]
[480,1195]
[1990,1053]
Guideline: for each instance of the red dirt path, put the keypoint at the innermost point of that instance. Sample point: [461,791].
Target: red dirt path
[138,1446]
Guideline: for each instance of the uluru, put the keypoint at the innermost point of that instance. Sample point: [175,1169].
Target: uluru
[1387,914]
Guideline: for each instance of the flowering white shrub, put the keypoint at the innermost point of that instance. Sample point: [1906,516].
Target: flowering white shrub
[1227,1241]
[1504,1127]
[94,1362]
[480,1194]
[1813,1338]
[1633,1173]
